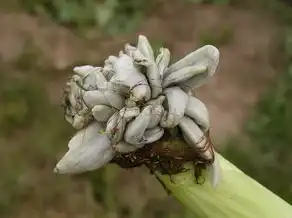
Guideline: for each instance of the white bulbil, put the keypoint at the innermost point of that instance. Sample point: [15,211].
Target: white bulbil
[195,137]
[197,110]
[96,97]
[152,71]
[175,108]
[137,127]
[102,112]
[89,77]
[88,151]
[152,135]
[138,57]
[155,79]
[128,103]
[126,73]
[183,75]
[115,128]
[116,88]
[191,132]
[76,112]
[162,60]
[108,69]
[80,121]
[145,48]
[124,147]
[207,56]
[156,115]
[129,113]
[83,71]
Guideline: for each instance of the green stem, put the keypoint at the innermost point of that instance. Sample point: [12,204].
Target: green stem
[236,196]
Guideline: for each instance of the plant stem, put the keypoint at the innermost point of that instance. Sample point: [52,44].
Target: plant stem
[236,196]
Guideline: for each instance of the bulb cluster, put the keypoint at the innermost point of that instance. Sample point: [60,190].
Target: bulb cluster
[128,104]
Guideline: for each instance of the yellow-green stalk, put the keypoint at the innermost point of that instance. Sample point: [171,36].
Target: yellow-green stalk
[236,196]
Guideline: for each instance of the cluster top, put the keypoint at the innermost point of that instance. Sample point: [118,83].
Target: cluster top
[130,101]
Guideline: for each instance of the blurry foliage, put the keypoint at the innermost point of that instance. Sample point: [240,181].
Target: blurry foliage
[29,58]
[267,156]
[217,37]
[216,2]
[32,131]
[113,15]
[18,104]
[22,106]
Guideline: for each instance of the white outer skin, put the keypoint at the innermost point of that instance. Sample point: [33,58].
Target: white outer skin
[157,111]
[75,113]
[116,88]
[177,101]
[96,77]
[183,75]
[125,69]
[115,127]
[119,130]
[108,69]
[157,101]
[124,147]
[156,115]
[141,92]
[129,49]
[74,92]
[145,48]
[102,113]
[197,110]
[90,77]
[129,75]
[129,103]
[155,79]
[112,124]
[153,74]
[196,81]
[162,60]
[193,135]
[96,97]
[83,71]
[138,57]
[191,131]
[80,121]
[129,113]
[136,128]
[84,135]
[152,135]
[207,55]
[88,151]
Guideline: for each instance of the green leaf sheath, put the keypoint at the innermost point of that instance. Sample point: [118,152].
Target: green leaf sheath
[236,196]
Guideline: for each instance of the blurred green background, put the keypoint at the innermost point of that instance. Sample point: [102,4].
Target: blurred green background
[250,97]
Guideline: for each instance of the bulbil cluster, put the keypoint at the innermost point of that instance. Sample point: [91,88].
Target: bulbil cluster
[123,109]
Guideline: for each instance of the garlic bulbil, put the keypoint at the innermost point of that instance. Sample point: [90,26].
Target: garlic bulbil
[131,102]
